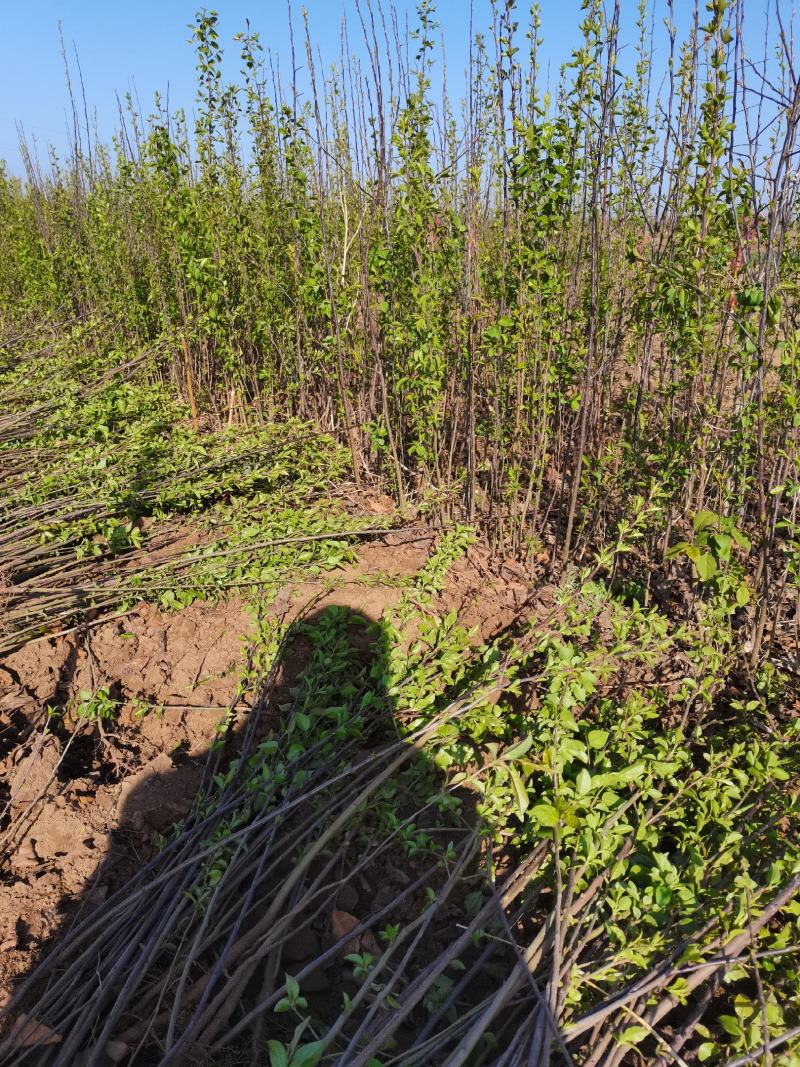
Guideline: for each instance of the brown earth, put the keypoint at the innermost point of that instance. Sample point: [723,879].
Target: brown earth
[79,816]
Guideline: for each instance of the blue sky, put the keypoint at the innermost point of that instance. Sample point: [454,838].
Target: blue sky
[142,47]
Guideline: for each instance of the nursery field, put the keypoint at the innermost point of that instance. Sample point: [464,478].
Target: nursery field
[399,557]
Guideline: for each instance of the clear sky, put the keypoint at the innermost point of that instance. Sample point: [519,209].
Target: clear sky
[141,46]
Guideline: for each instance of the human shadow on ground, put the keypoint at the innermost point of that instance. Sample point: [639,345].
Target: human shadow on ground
[321,840]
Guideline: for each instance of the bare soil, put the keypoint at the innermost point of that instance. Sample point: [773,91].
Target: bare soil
[80,816]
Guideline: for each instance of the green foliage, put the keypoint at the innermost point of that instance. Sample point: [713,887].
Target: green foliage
[458,294]
[564,323]
[98,707]
[715,539]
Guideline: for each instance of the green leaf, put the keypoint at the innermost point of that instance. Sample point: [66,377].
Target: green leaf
[633,1035]
[308,1055]
[706,566]
[704,519]
[741,539]
[676,550]
[597,738]
[614,779]
[730,1024]
[520,792]
[662,896]
[706,1051]
[278,1056]
[721,544]
[519,749]
[303,721]
[545,814]
[571,748]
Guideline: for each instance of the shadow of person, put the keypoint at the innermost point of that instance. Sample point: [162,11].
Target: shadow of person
[320,854]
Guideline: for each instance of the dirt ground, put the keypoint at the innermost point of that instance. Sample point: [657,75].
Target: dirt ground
[77,816]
